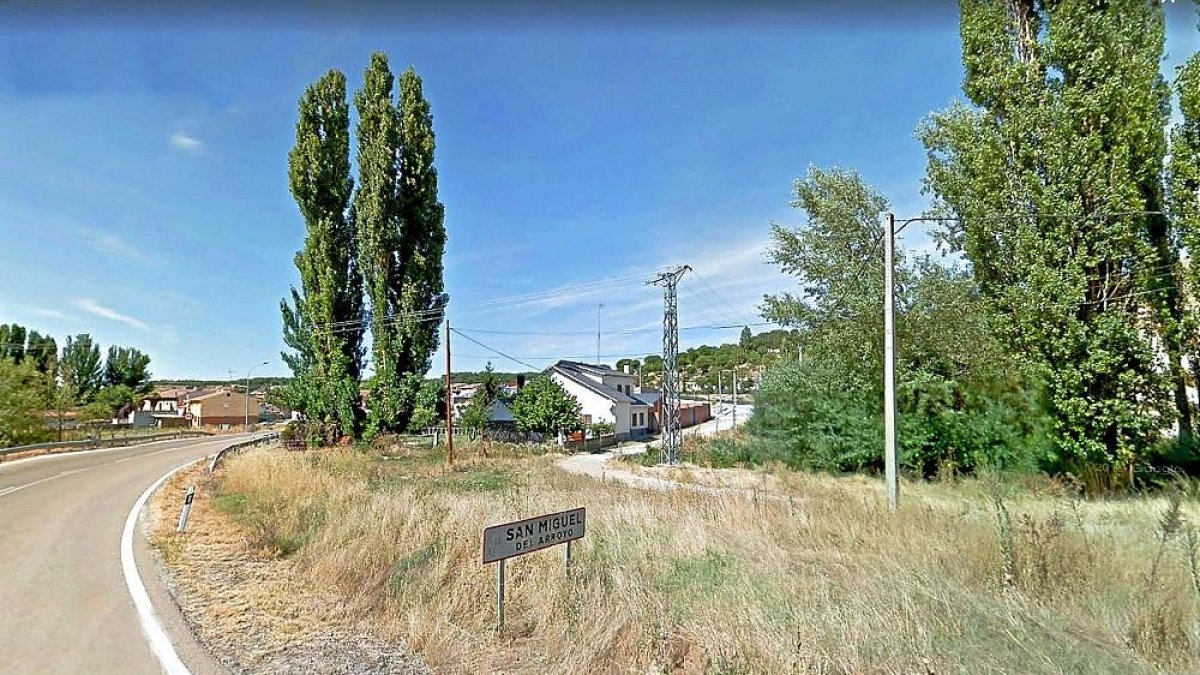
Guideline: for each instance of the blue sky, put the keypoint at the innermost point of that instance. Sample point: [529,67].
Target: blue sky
[143,187]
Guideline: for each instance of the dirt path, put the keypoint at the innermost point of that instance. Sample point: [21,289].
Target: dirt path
[597,465]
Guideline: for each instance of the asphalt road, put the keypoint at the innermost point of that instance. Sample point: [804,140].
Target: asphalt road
[64,603]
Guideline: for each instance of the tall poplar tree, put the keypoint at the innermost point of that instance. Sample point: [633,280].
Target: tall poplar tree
[1052,169]
[129,367]
[1184,194]
[323,323]
[81,370]
[401,236]
[44,352]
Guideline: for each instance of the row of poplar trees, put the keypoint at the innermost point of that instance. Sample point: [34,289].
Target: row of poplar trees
[1075,195]
[372,257]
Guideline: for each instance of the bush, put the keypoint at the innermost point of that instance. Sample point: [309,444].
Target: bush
[809,416]
[820,417]
[727,450]
[598,429]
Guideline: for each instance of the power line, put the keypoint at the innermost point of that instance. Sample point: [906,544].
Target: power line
[493,349]
[737,315]
[630,331]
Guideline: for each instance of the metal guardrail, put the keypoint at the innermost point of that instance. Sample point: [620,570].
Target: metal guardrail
[258,440]
[92,443]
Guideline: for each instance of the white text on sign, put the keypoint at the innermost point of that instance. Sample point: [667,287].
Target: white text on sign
[533,534]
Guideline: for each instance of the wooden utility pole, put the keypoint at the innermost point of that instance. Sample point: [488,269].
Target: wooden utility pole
[449,404]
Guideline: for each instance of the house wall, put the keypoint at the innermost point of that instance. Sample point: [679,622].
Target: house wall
[142,419]
[690,414]
[639,412]
[620,381]
[600,408]
[228,408]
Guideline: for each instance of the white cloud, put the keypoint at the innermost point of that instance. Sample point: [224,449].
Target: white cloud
[51,313]
[182,141]
[92,307]
[108,243]
[737,275]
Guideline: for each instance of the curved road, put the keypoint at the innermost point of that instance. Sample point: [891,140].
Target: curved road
[64,604]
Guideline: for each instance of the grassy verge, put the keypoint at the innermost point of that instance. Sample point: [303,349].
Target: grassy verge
[969,577]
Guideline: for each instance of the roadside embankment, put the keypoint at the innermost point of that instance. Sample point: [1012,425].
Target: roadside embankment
[252,609]
[294,544]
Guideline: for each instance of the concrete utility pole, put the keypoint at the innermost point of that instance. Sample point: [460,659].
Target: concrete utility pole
[891,455]
[735,424]
[671,437]
[246,423]
[449,404]
[720,403]
[891,460]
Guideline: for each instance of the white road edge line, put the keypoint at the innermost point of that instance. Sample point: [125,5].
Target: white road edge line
[160,644]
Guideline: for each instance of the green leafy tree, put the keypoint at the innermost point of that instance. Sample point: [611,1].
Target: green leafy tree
[633,364]
[744,341]
[958,389]
[323,322]
[112,398]
[127,367]
[12,342]
[23,397]
[1051,171]
[1183,194]
[401,237]
[479,412]
[80,367]
[543,406]
[476,415]
[489,385]
[430,406]
[43,351]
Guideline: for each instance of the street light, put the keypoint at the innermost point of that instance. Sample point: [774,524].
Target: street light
[246,423]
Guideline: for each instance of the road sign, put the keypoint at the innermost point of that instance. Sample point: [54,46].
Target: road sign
[187,416]
[501,542]
[533,534]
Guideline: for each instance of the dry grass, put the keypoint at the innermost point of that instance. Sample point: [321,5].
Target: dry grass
[970,577]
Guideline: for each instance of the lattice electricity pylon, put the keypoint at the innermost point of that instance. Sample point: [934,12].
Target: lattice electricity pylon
[672,437]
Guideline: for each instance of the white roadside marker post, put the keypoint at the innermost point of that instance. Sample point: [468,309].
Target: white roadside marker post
[187,508]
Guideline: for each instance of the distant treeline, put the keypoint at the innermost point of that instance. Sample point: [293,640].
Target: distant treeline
[255,383]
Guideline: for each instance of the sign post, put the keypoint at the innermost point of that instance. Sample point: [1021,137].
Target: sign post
[500,595]
[509,540]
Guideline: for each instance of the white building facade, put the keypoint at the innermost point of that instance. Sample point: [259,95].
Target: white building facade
[606,395]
